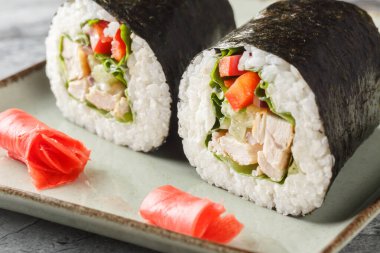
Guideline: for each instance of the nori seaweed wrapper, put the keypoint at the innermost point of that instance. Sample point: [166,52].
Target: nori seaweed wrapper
[176,30]
[336,48]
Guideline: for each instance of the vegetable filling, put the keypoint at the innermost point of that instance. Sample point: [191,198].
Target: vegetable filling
[94,64]
[248,134]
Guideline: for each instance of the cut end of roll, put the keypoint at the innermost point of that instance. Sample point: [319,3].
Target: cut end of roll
[299,193]
[146,98]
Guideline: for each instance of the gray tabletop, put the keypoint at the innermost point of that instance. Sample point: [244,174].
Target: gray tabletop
[23,27]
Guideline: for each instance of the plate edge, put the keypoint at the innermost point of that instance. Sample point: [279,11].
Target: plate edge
[21,74]
[130,223]
[354,227]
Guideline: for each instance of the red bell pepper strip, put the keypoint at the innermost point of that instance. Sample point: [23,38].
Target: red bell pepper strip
[229,82]
[52,157]
[178,211]
[242,92]
[100,43]
[228,66]
[119,48]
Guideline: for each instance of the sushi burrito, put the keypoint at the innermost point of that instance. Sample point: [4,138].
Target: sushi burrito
[274,110]
[115,66]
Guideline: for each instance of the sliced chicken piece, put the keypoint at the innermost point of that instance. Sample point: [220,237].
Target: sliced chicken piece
[75,60]
[274,158]
[274,173]
[121,108]
[103,100]
[281,131]
[79,88]
[252,141]
[83,60]
[242,153]
[258,128]
[214,145]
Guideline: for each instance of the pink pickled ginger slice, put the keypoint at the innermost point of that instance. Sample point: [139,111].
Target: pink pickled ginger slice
[178,211]
[52,157]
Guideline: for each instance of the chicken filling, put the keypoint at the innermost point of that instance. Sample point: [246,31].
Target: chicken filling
[94,64]
[248,134]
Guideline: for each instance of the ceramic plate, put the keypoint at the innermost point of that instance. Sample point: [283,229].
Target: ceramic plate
[106,198]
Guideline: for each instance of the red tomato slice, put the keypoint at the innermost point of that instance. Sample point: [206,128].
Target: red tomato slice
[228,66]
[242,92]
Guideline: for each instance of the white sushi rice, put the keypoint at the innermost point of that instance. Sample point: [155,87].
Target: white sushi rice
[302,192]
[147,86]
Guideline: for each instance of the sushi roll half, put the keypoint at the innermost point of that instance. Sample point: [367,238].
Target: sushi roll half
[277,107]
[113,65]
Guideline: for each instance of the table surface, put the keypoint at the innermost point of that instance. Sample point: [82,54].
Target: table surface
[23,28]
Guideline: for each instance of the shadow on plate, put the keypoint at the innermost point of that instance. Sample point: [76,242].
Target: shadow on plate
[357,185]
[171,149]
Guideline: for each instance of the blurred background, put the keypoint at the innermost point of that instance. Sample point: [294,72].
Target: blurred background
[23,27]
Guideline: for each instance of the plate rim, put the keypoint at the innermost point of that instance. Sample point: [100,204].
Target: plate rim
[339,241]
[22,73]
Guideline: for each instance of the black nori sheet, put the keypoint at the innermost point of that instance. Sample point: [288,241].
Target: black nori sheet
[176,30]
[336,47]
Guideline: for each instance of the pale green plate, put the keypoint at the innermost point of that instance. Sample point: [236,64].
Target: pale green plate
[106,198]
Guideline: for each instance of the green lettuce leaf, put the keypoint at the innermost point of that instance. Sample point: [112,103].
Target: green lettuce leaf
[218,107]
[101,111]
[244,170]
[293,167]
[125,34]
[231,51]
[60,49]
[265,177]
[128,117]
[260,92]
[113,67]
[82,39]
[90,22]
[216,81]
